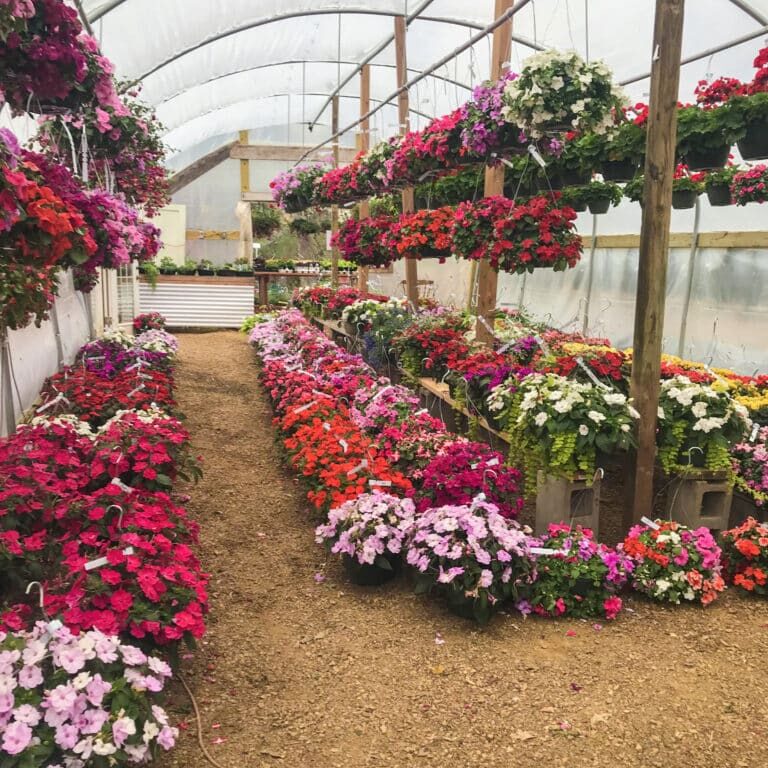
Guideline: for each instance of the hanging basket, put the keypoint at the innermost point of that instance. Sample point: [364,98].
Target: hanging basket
[433,253]
[575,178]
[599,205]
[684,198]
[618,170]
[707,159]
[719,195]
[579,207]
[297,203]
[367,575]
[754,145]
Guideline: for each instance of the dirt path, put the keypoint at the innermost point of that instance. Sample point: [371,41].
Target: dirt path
[301,674]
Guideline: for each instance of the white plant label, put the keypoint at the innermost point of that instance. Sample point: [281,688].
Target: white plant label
[121,485]
[546,551]
[755,430]
[92,565]
[306,407]
[344,445]
[543,344]
[362,465]
[493,462]
[380,483]
[650,523]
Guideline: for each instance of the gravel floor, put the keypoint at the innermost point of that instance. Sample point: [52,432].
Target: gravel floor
[302,674]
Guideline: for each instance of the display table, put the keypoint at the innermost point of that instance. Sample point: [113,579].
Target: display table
[263,278]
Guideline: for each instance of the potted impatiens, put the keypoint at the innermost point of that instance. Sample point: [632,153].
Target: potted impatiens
[686,188]
[558,425]
[751,113]
[750,462]
[425,234]
[750,186]
[463,470]
[363,241]
[517,237]
[673,563]
[558,91]
[576,576]
[697,426]
[470,555]
[623,147]
[369,533]
[87,697]
[745,556]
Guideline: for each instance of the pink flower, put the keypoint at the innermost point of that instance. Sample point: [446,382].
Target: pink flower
[560,607]
[66,736]
[72,659]
[486,578]
[96,689]
[166,738]
[62,698]
[682,558]
[122,728]
[612,606]
[16,738]
[27,714]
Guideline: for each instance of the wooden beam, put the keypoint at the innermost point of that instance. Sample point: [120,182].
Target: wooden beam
[257,197]
[487,278]
[202,165]
[721,239]
[654,245]
[245,169]
[212,234]
[363,144]
[283,153]
[335,208]
[403,113]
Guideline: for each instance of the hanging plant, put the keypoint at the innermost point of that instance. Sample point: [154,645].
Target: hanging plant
[265,220]
[423,234]
[717,185]
[364,243]
[597,196]
[518,237]
[558,91]
[293,190]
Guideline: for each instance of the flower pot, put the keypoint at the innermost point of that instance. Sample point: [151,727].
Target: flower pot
[684,198]
[227,273]
[618,170]
[168,271]
[754,145]
[298,203]
[575,178]
[371,575]
[206,272]
[707,158]
[719,194]
[599,205]
[579,207]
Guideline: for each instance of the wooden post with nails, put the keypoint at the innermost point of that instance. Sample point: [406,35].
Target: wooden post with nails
[411,270]
[487,278]
[654,246]
[363,144]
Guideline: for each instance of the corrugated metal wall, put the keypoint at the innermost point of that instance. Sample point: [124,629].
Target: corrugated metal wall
[198,306]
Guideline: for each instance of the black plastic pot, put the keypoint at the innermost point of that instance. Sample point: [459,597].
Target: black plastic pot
[754,145]
[168,271]
[579,207]
[371,575]
[227,273]
[432,253]
[719,194]
[707,158]
[618,170]
[299,203]
[206,272]
[684,198]
[575,178]
[599,205]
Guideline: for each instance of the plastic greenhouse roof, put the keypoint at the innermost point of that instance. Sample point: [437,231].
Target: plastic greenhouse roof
[215,67]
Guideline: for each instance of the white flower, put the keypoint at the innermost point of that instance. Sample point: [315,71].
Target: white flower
[583,429]
[689,594]
[540,419]
[564,406]
[596,416]
[614,398]
[660,412]
[557,82]
[633,412]
[625,427]
[662,585]
[699,410]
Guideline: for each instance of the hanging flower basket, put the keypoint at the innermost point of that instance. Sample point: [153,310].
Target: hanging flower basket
[707,158]
[618,170]
[719,194]
[754,145]
[684,198]
[599,206]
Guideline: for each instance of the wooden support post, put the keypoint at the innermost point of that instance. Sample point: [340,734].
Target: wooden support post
[401,59]
[363,145]
[245,166]
[243,209]
[487,278]
[654,245]
[335,208]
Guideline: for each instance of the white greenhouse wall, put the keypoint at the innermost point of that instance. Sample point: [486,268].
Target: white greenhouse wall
[36,353]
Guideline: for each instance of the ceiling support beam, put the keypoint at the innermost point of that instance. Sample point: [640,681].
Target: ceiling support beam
[202,165]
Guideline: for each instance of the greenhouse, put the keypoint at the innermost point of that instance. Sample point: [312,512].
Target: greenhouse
[383,383]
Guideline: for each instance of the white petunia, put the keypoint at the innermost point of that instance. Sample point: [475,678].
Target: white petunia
[596,416]
[583,429]
[541,419]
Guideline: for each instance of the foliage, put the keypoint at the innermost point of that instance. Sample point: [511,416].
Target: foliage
[265,220]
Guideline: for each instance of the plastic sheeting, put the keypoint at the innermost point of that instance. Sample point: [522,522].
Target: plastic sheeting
[213,67]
